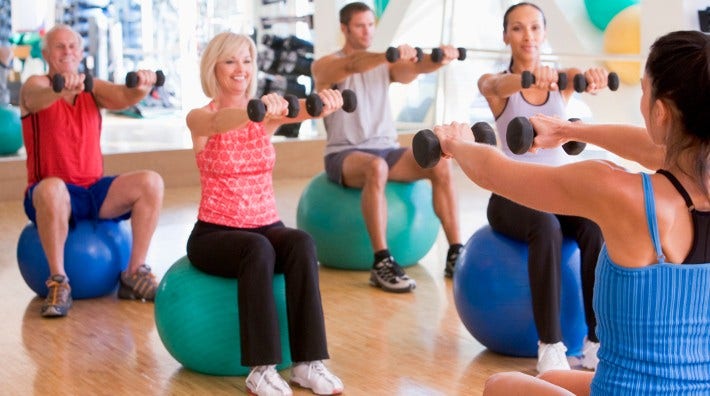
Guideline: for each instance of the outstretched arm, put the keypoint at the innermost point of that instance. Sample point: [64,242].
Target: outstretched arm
[629,142]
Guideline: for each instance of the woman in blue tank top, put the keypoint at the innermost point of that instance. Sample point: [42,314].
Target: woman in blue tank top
[524,30]
[652,291]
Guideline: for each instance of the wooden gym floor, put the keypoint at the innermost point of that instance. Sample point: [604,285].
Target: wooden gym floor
[380,343]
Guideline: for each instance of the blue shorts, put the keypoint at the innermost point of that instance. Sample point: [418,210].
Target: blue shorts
[85,202]
[334,161]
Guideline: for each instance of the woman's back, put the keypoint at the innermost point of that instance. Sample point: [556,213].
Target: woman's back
[653,323]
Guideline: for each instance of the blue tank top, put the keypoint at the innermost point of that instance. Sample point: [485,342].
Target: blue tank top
[653,323]
[517,106]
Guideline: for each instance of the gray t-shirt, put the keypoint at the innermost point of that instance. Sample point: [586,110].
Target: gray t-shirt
[371,125]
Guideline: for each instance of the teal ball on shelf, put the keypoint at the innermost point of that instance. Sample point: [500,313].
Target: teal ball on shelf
[10,130]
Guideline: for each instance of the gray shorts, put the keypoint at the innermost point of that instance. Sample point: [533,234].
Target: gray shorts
[334,161]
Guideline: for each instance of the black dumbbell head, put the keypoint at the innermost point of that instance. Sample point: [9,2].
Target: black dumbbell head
[426,148]
[562,81]
[131,79]
[57,83]
[519,135]
[392,54]
[574,147]
[437,55]
[580,83]
[256,110]
[349,100]
[527,79]
[484,133]
[613,81]
[420,54]
[88,82]
[462,53]
[294,107]
[314,105]
[159,78]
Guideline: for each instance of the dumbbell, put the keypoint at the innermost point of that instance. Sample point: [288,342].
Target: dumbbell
[520,135]
[392,54]
[314,104]
[437,54]
[427,149]
[132,79]
[256,109]
[58,83]
[528,79]
[580,82]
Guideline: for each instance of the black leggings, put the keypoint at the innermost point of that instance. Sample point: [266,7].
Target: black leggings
[253,256]
[543,232]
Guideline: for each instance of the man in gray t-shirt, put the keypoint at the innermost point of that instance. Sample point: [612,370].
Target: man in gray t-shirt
[362,150]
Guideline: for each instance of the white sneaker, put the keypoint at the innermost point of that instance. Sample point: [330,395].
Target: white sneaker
[551,357]
[266,381]
[589,354]
[316,377]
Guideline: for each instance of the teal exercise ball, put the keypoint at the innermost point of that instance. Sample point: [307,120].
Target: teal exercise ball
[601,12]
[491,291]
[332,215]
[197,318]
[10,130]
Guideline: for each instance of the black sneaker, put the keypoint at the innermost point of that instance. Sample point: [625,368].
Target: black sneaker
[389,276]
[451,258]
[58,299]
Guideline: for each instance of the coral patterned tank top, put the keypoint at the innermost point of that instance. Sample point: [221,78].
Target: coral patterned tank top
[236,178]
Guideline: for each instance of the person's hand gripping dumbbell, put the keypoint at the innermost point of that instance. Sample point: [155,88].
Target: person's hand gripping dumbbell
[520,135]
[314,103]
[273,105]
[544,77]
[595,79]
[72,81]
[427,149]
[145,77]
[447,53]
[404,52]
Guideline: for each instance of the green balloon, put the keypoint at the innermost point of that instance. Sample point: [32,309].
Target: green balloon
[601,12]
[10,130]
[197,318]
[332,215]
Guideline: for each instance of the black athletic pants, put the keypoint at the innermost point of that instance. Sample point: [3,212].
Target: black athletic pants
[253,256]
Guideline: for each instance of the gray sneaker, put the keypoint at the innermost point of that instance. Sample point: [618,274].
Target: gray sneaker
[139,286]
[389,276]
[58,299]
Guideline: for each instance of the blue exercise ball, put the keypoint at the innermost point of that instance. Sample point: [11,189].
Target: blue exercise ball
[197,318]
[332,215]
[95,253]
[601,12]
[492,295]
[10,130]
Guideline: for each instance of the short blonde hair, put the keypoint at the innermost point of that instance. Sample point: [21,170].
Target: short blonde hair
[221,46]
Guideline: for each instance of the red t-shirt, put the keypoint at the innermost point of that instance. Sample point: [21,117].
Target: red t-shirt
[64,140]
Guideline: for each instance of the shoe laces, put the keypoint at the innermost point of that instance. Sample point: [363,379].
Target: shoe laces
[316,370]
[143,280]
[56,286]
[388,269]
[268,376]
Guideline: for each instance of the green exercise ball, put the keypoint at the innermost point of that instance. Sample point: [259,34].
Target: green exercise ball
[197,318]
[10,130]
[601,12]
[332,215]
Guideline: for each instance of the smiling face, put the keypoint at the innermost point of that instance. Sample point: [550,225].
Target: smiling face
[62,51]
[359,31]
[234,72]
[525,33]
